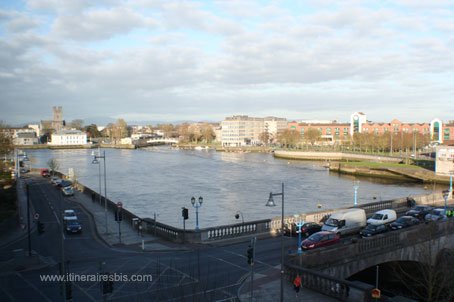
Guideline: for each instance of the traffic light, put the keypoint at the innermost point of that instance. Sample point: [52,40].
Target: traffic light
[68,290]
[250,255]
[40,227]
[118,215]
[185,213]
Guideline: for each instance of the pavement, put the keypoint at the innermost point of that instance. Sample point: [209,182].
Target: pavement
[266,284]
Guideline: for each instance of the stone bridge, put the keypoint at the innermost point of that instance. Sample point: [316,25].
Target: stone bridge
[419,243]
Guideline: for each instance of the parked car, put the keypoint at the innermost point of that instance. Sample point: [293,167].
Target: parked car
[373,229]
[55,180]
[382,217]
[437,214]
[73,226]
[45,173]
[346,221]
[69,215]
[319,239]
[419,211]
[64,183]
[404,222]
[68,191]
[307,229]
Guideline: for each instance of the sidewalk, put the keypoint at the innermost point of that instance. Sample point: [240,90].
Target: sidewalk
[130,237]
[267,288]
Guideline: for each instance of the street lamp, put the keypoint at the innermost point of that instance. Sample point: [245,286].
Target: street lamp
[271,203]
[450,182]
[299,224]
[197,205]
[95,161]
[355,187]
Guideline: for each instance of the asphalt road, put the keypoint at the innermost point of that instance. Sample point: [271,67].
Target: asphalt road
[204,273]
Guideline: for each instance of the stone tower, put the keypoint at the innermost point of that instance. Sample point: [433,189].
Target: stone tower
[57,120]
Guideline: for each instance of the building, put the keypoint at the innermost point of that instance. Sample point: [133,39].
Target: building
[68,138]
[438,132]
[329,131]
[25,139]
[242,130]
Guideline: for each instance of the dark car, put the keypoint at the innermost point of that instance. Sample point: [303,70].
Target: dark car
[319,239]
[307,229]
[419,211]
[404,222]
[371,230]
[73,226]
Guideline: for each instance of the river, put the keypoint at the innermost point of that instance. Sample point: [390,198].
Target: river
[162,180]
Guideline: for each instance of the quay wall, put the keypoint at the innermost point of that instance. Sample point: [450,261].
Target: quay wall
[335,156]
[264,227]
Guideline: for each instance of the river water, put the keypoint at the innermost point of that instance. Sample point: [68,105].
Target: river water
[162,180]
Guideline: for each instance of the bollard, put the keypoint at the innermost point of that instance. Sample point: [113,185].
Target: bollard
[143,245]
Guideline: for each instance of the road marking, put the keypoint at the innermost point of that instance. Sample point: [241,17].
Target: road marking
[34,287]
[84,291]
[228,262]
[7,293]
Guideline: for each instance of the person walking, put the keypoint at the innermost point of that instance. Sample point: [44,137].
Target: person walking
[297,284]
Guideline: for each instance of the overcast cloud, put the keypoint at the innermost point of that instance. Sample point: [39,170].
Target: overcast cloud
[205,60]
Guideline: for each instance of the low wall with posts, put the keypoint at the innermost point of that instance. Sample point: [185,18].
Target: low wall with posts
[265,226]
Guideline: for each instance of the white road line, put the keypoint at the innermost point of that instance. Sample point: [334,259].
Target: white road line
[233,264]
[84,291]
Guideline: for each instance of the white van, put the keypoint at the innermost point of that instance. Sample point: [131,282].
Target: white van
[382,217]
[346,221]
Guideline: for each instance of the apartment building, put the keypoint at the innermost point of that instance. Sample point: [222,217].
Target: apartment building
[242,130]
[68,138]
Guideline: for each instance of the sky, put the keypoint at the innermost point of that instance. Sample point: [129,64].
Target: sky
[167,61]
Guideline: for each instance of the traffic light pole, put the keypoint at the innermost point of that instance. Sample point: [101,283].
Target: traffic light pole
[253,240]
[28,223]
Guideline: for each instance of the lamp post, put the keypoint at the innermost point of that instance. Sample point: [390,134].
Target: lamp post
[197,205]
[271,203]
[299,224]
[451,173]
[95,161]
[355,187]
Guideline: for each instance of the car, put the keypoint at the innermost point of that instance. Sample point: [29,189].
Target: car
[45,173]
[437,214]
[382,217]
[404,222]
[419,211]
[69,215]
[307,229]
[68,191]
[73,226]
[64,183]
[55,180]
[320,239]
[373,229]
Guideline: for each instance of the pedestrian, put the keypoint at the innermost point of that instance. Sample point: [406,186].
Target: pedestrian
[297,284]
[93,196]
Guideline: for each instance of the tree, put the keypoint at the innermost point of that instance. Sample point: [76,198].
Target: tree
[183,132]
[92,131]
[76,124]
[53,165]
[264,137]
[6,142]
[312,135]
[194,133]
[167,129]
[207,133]
[289,137]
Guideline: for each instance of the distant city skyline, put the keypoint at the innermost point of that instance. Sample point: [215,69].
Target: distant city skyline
[167,61]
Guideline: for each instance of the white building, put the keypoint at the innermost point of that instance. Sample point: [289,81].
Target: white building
[68,138]
[242,130]
[444,161]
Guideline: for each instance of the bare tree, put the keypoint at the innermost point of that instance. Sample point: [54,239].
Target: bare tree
[264,137]
[312,135]
[6,142]
[53,165]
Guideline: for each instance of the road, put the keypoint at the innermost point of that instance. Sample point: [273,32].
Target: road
[202,273]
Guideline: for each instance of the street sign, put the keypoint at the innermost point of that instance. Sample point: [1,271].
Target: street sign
[119,204]
[376,293]
[36,216]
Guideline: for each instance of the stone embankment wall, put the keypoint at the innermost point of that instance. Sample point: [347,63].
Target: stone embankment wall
[333,156]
